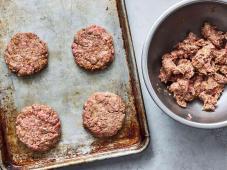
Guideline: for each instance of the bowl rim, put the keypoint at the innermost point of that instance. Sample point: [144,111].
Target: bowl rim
[145,74]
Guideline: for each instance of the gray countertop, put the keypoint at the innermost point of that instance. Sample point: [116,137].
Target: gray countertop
[173,146]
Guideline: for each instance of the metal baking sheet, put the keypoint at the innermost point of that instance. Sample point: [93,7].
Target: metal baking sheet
[64,86]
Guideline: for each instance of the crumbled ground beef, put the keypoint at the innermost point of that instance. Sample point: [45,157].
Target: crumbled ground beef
[185,68]
[183,91]
[210,91]
[212,34]
[197,68]
[189,46]
[202,61]
[220,56]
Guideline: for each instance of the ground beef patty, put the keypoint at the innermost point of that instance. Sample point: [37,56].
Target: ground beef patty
[93,48]
[104,114]
[26,54]
[38,127]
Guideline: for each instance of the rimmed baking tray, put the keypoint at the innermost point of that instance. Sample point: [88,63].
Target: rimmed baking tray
[65,86]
